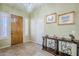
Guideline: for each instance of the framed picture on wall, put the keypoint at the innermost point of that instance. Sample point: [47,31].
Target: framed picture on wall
[66,18]
[51,18]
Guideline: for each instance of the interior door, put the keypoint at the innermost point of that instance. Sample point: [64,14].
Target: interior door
[16,29]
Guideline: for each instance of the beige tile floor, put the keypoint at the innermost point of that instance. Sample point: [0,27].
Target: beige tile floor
[26,49]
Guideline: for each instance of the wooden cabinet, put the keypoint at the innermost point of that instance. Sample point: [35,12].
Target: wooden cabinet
[50,45]
[60,46]
[68,48]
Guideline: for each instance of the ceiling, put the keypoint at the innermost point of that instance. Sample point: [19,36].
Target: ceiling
[28,7]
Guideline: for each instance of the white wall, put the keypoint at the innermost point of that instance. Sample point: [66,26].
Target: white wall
[6,41]
[25,30]
[37,31]
[54,28]
[11,10]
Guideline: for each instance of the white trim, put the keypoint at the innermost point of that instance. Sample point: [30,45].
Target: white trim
[37,42]
[5,46]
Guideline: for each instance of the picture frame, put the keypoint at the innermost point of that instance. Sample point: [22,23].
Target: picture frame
[51,18]
[66,18]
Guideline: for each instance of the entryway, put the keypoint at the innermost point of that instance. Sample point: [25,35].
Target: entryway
[16,29]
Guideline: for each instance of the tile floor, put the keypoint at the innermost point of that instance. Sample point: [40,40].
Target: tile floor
[26,49]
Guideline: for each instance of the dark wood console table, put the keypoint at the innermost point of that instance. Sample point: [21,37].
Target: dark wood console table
[56,44]
[44,45]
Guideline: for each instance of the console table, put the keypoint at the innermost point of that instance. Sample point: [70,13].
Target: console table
[60,46]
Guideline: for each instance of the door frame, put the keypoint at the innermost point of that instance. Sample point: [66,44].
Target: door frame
[11,28]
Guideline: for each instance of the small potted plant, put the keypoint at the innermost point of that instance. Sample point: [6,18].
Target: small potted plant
[72,37]
[46,35]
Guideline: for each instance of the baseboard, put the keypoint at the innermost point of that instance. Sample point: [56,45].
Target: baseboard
[27,41]
[5,46]
[37,43]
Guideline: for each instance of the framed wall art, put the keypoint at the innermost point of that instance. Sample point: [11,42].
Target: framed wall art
[66,18]
[51,18]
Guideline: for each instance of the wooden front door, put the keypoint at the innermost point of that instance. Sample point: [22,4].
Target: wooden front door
[16,29]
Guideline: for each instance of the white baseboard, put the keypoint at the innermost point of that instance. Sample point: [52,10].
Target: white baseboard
[5,46]
[37,43]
